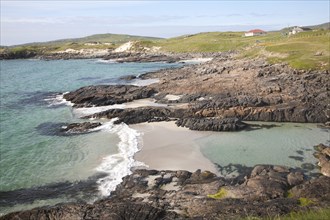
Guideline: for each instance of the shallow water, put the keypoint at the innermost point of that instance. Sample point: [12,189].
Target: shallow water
[288,144]
[34,155]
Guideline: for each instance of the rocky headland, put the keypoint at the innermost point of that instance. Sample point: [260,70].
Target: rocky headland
[217,95]
[225,87]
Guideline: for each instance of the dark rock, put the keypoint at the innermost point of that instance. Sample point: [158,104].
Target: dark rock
[128,78]
[142,57]
[323,155]
[212,124]
[105,210]
[107,95]
[141,114]
[152,194]
[316,189]
[80,127]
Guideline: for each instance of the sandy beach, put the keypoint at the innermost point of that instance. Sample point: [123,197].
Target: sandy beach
[168,147]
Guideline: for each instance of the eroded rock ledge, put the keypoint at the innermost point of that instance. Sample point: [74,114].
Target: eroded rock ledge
[225,87]
[150,194]
[107,95]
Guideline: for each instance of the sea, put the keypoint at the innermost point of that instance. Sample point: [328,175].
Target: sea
[41,166]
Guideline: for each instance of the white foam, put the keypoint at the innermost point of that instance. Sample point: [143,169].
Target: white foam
[143,82]
[81,112]
[197,60]
[105,61]
[86,111]
[119,165]
[59,100]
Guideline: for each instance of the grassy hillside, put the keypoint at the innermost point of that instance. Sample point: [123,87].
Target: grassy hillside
[100,38]
[213,42]
[306,50]
[98,41]
[324,26]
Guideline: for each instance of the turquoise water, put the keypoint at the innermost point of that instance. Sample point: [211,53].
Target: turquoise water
[32,155]
[289,144]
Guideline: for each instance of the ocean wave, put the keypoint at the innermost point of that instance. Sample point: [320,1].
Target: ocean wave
[58,100]
[119,165]
[81,112]
[105,61]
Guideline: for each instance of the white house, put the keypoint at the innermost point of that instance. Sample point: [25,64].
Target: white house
[296,30]
[255,32]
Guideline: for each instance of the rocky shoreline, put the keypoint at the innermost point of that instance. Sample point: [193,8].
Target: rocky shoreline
[217,96]
[225,87]
[266,191]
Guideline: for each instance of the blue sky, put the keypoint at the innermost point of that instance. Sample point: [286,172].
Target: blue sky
[34,21]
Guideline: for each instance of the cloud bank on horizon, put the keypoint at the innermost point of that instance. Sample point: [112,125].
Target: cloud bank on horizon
[35,21]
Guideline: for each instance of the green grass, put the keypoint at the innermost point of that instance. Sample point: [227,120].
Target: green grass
[298,50]
[211,42]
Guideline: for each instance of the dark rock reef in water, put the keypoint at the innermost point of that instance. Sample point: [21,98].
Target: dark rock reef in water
[107,95]
[152,194]
[63,129]
[80,127]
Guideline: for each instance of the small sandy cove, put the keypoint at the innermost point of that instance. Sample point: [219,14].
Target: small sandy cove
[168,147]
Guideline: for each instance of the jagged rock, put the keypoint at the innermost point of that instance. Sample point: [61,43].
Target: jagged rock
[104,210]
[212,124]
[317,190]
[141,114]
[323,155]
[80,127]
[107,95]
[153,194]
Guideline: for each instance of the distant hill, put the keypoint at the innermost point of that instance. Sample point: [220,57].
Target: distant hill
[324,26]
[99,38]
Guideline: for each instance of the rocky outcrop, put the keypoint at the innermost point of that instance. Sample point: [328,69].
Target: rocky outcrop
[141,114]
[248,89]
[266,191]
[80,127]
[125,57]
[107,95]
[323,155]
[212,124]
[103,210]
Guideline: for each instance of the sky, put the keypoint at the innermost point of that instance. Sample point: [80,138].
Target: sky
[46,20]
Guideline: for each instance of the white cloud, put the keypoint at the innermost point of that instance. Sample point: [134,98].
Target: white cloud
[37,20]
[94,21]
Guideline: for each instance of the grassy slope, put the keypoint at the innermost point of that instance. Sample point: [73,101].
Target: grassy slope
[77,43]
[298,50]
